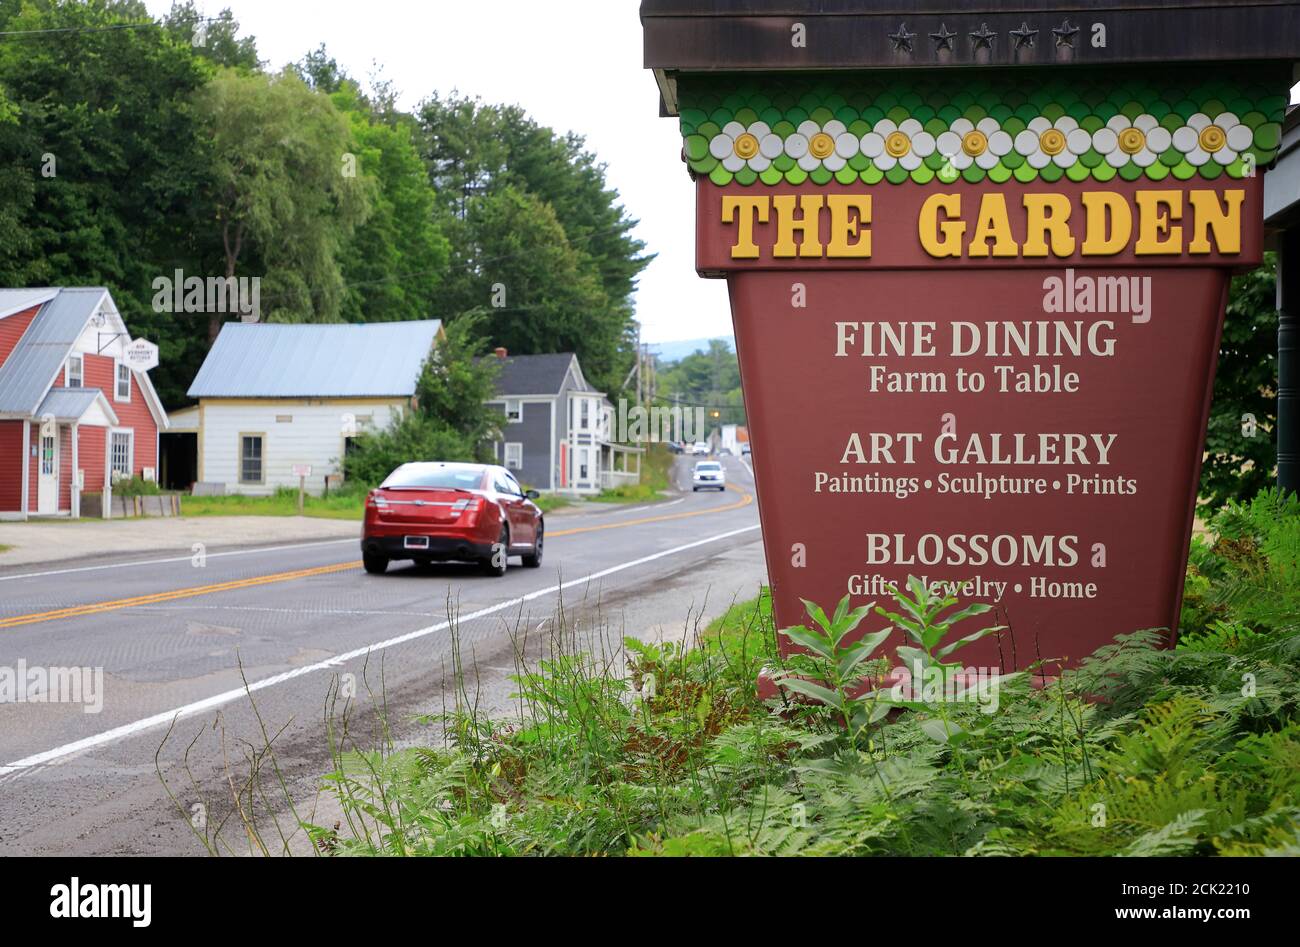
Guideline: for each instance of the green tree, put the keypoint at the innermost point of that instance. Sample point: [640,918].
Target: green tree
[287,191]
[1240,455]
[492,166]
[215,39]
[100,159]
[710,378]
[393,262]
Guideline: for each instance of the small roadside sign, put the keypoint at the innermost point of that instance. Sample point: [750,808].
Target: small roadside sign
[141,355]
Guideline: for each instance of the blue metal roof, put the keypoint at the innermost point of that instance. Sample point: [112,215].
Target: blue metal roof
[69,404]
[310,360]
[30,369]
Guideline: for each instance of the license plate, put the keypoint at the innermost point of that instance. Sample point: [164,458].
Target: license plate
[417,542]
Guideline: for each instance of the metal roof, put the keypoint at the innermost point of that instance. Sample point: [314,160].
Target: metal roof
[17,300]
[28,372]
[336,360]
[69,404]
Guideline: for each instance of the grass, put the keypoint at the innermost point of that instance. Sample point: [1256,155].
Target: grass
[347,505]
[656,467]
[610,747]
[284,502]
[5,548]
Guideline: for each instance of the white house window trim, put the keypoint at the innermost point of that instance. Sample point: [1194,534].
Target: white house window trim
[514,409]
[118,367]
[514,459]
[115,472]
[77,380]
[261,458]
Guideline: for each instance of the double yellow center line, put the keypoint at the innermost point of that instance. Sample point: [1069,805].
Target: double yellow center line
[76,611]
[96,608]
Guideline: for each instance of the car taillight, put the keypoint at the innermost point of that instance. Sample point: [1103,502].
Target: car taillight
[378,501]
[460,506]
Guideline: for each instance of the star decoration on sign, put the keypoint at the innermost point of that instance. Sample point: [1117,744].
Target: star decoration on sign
[902,40]
[1024,36]
[1065,34]
[942,39]
[984,38]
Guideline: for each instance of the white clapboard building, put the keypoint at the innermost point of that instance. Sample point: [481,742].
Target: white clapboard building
[274,399]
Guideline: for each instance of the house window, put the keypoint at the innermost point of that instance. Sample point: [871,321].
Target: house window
[250,458]
[514,412]
[586,415]
[582,466]
[123,392]
[74,376]
[120,455]
[514,455]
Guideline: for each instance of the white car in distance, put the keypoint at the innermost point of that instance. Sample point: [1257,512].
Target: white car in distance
[708,474]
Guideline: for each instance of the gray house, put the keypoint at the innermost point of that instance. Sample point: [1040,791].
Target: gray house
[556,433]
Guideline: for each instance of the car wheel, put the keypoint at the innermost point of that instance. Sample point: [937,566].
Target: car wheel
[375,564]
[695,489]
[495,565]
[534,559]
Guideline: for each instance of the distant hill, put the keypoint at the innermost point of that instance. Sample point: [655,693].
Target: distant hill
[676,351]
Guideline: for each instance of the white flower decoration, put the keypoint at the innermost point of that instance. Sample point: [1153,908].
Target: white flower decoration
[1059,142]
[738,147]
[982,144]
[1140,140]
[829,146]
[906,144]
[1221,139]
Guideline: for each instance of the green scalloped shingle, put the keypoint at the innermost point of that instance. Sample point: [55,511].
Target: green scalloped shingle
[936,101]
[897,174]
[1268,136]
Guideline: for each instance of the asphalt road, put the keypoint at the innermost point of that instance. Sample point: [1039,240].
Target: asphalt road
[205,662]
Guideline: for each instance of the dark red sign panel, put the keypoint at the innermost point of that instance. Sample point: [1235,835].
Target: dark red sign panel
[1024,429]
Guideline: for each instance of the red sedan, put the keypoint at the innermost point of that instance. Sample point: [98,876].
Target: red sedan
[437,512]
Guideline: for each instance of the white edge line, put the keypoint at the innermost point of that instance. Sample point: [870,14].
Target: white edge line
[156,562]
[218,700]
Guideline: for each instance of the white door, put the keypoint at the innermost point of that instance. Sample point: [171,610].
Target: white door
[47,490]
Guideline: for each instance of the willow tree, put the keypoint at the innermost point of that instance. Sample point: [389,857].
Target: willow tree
[287,190]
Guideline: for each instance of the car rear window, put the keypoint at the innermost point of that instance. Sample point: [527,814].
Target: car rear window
[446,478]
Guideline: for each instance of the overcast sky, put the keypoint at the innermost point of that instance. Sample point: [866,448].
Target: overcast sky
[574,65]
[578,70]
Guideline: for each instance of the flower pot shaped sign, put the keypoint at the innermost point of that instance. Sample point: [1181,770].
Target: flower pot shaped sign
[977,310]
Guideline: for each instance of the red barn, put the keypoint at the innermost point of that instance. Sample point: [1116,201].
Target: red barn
[74,415]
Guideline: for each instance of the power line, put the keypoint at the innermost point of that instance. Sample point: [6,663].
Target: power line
[152,24]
